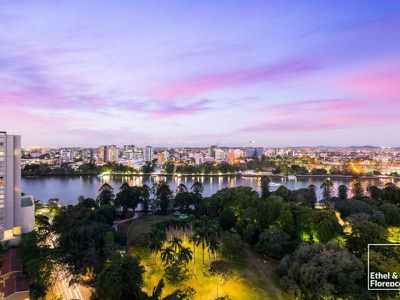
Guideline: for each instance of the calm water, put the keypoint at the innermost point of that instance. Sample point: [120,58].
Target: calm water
[68,189]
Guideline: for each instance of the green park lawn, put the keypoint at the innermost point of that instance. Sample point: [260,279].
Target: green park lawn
[252,277]
[143,225]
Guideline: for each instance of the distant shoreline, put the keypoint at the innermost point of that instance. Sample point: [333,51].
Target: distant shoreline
[219,175]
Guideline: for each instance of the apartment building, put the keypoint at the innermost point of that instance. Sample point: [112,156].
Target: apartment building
[16,214]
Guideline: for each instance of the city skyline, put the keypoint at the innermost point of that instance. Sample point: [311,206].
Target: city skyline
[197,74]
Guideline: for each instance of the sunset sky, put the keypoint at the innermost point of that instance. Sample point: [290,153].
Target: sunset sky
[194,73]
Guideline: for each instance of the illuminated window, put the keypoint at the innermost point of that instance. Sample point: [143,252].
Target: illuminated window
[17,230]
[8,234]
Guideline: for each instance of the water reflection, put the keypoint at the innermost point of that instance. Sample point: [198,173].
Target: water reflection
[68,189]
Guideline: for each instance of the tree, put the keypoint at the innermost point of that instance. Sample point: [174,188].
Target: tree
[176,243]
[392,214]
[121,278]
[227,219]
[124,186]
[145,200]
[167,255]
[53,202]
[156,240]
[249,234]
[176,272]
[185,255]
[325,225]
[164,196]
[195,240]
[357,190]
[87,202]
[274,242]
[84,249]
[264,183]
[391,193]
[231,246]
[364,234]
[376,193]
[221,270]
[129,197]
[347,208]
[311,195]
[157,290]
[201,238]
[327,189]
[183,200]
[181,188]
[197,189]
[342,192]
[106,195]
[213,247]
[318,171]
[148,167]
[321,271]
[38,263]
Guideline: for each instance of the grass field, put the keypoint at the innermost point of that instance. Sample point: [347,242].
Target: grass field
[252,278]
[143,225]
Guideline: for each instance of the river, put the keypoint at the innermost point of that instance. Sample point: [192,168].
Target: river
[69,188]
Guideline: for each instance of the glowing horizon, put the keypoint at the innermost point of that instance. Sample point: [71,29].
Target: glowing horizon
[84,73]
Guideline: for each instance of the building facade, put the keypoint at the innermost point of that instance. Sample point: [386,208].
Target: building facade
[148,153]
[13,215]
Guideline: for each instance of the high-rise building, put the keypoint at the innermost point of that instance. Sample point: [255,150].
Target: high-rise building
[112,154]
[163,156]
[219,155]
[16,214]
[65,156]
[148,153]
[211,151]
[109,153]
[198,159]
[129,147]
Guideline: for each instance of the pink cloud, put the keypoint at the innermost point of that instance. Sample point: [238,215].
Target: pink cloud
[380,81]
[317,115]
[237,78]
[167,111]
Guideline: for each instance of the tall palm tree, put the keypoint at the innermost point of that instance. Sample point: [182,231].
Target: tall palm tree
[193,239]
[157,238]
[176,243]
[167,255]
[185,254]
[214,247]
[202,239]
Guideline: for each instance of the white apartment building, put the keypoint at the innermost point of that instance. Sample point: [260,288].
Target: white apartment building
[16,214]
[148,153]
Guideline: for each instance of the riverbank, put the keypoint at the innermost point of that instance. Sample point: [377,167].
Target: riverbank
[255,175]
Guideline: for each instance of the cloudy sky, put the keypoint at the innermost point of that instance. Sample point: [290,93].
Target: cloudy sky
[196,73]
